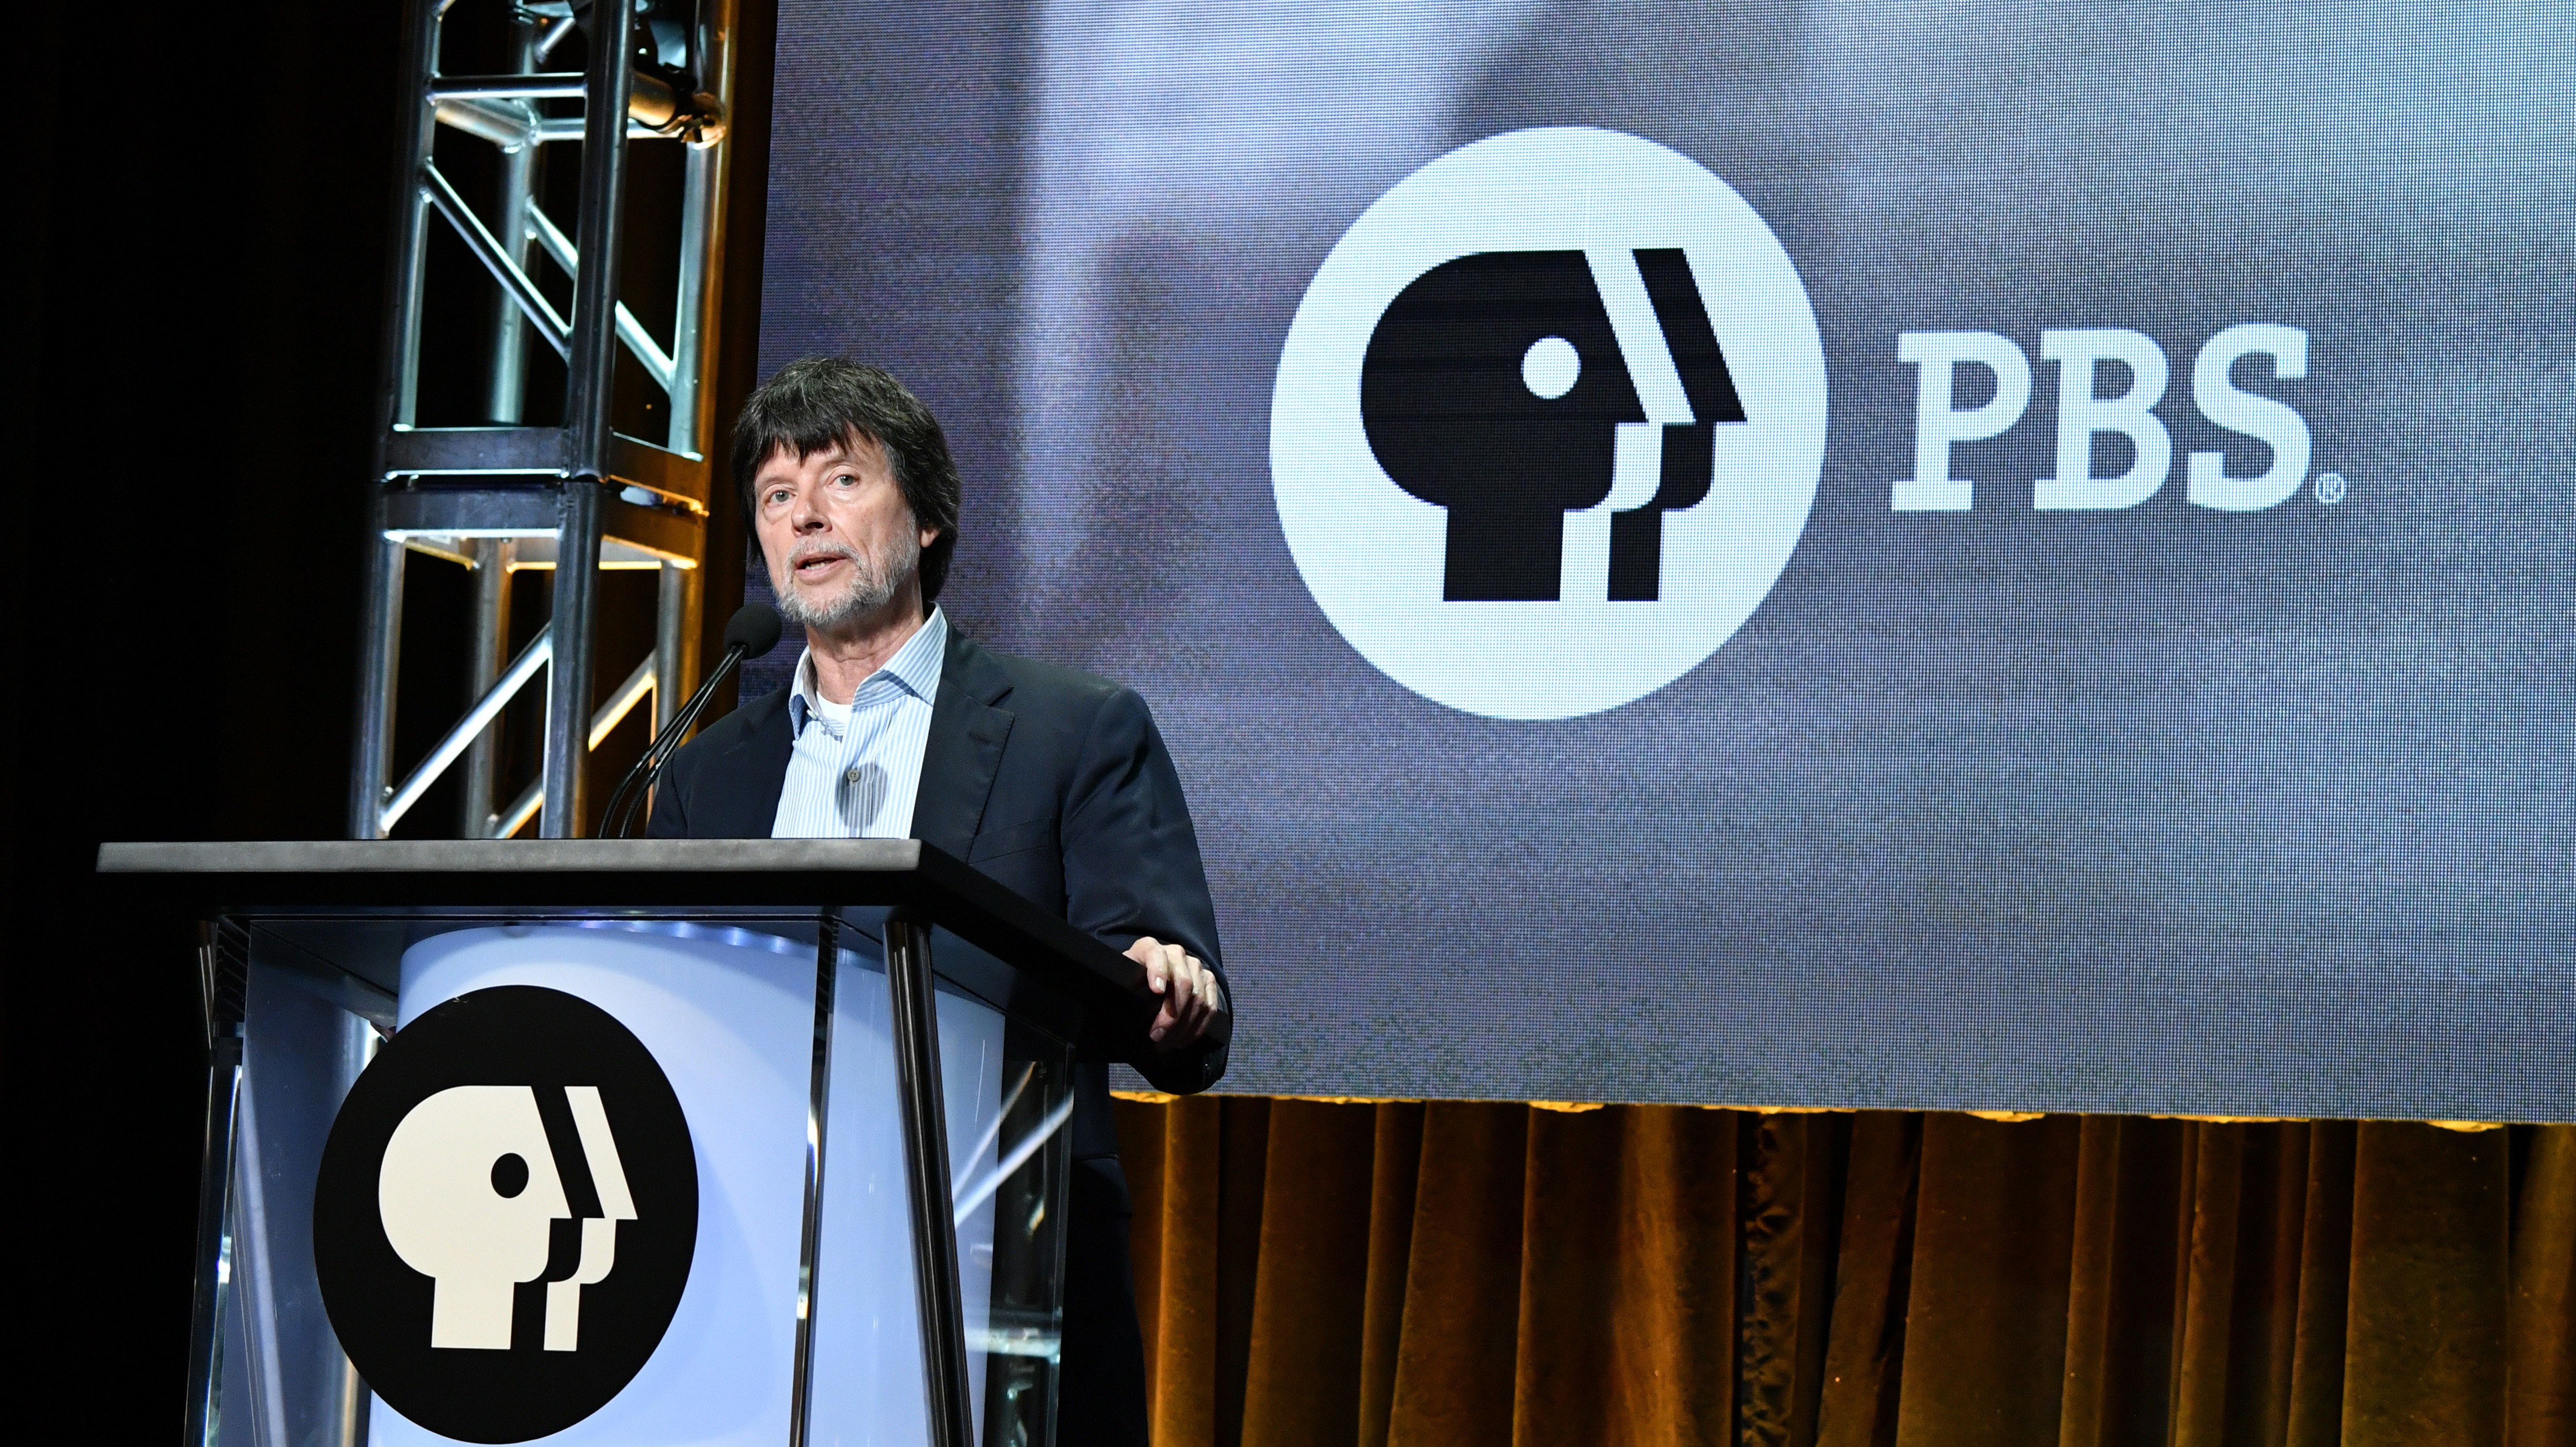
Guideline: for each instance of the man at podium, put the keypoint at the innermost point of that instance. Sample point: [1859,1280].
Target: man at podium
[896,725]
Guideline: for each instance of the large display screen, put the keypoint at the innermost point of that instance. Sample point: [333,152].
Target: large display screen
[1964,555]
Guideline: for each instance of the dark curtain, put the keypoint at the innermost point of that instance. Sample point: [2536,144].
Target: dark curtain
[1394,1274]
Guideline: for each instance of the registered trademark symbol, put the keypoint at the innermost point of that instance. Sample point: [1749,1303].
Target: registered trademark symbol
[2330,487]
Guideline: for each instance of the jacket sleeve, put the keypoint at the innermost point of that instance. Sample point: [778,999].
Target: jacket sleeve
[1131,865]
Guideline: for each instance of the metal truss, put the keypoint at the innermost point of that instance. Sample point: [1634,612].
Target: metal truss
[577,497]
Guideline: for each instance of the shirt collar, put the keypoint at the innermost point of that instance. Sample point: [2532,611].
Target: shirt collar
[915,666]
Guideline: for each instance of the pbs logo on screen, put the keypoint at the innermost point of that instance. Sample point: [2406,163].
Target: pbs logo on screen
[505,1215]
[1548,423]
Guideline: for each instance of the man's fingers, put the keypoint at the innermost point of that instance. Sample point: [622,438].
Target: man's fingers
[1148,951]
[1202,1003]
[1169,982]
[1188,988]
[1174,1030]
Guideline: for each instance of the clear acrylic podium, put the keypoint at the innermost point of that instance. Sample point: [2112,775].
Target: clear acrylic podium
[871,1046]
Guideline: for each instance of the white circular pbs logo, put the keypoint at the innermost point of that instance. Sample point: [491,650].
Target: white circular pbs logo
[505,1214]
[1548,423]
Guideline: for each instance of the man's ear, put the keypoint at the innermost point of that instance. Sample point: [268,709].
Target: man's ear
[928,536]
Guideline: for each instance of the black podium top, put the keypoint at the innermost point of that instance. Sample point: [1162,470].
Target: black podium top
[361,877]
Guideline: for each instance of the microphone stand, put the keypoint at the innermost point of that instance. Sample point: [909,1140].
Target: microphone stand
[637,786]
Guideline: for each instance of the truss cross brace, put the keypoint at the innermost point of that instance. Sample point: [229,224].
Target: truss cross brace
[576,496]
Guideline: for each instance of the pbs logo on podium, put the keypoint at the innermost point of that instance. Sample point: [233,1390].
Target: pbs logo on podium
[505,1215]
[1548,423]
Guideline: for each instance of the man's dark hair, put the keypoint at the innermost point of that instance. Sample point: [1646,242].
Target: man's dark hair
[816,403]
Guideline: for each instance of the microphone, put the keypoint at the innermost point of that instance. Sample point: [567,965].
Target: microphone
[752,631]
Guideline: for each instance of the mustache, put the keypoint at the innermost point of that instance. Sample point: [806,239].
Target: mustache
[807,552]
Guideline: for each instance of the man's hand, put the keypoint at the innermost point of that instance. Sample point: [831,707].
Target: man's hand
[1188,987]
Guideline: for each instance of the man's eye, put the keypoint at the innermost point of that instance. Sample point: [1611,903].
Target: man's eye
[845,480]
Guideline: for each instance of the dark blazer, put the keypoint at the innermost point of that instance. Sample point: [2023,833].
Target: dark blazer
[1056,784]
[1052,782]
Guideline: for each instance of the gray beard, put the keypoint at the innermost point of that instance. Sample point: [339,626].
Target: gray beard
[873,581]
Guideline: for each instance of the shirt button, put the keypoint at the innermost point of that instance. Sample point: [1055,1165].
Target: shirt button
[851,777]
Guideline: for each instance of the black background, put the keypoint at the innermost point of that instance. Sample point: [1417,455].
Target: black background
[380,1307]
[199,203]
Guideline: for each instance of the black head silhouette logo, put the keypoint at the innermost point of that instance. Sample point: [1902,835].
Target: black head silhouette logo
[1494,388]
[505,1214]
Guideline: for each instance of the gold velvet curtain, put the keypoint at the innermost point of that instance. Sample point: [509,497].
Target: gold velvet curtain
[1394,1275]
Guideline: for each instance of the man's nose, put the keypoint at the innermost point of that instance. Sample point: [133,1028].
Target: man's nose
[809,515]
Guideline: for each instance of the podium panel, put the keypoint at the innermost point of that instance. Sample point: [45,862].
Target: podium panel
[522,1298]
[630,1141]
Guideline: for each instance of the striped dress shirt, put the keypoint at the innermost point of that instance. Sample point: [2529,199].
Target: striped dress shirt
[856,769]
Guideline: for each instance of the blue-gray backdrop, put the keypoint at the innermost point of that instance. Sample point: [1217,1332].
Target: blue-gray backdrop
[2160,808]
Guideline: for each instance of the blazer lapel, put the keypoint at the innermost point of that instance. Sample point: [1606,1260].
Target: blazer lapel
[740,800]
[964,750]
